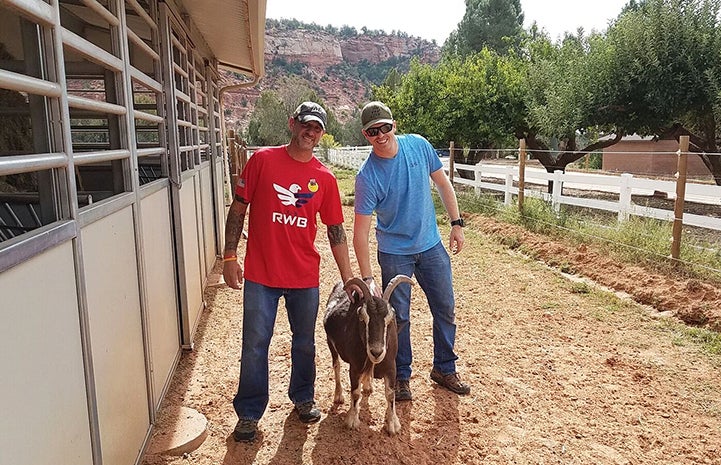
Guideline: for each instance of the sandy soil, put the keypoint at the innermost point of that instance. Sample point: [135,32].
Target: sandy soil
[562,371]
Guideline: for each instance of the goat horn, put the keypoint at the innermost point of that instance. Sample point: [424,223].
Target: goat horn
[401,278]
[360,283]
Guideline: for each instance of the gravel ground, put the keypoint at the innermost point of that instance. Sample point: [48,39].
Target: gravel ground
[562,370]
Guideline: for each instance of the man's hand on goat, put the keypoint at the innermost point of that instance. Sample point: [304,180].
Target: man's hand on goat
[375,290]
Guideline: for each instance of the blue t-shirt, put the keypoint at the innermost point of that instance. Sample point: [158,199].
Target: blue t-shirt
[398,189]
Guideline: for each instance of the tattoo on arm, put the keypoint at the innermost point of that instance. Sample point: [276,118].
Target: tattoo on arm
[336,235]
[234,226]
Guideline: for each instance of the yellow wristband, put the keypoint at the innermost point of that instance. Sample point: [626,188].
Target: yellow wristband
[230,259]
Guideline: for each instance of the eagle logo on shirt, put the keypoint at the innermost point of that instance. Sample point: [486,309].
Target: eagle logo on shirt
[292,195]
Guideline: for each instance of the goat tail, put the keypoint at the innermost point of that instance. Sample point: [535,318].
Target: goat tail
[401,278]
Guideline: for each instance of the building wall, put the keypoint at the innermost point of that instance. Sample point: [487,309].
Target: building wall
[107,230]
[648,157]
[44,418]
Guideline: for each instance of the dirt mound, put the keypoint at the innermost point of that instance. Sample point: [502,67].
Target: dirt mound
[693,301]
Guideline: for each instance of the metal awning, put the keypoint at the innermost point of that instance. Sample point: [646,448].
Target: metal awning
[234,30]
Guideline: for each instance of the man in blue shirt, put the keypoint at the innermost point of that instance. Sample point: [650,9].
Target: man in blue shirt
[394,183]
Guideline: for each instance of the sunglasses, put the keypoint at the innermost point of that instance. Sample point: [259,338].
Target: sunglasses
[386,128]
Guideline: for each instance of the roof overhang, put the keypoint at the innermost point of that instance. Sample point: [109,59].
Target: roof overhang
[234,30]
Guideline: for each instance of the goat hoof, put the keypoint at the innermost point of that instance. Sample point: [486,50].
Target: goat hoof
[352,422]
[393,427]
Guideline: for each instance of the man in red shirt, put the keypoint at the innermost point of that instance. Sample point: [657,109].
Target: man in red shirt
[287,187]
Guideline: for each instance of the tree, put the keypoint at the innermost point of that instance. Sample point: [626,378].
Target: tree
[269,121]
[667,73]
[655,72]
[350,134]
[327,142]
[566,87]
[476,102]
[495,24]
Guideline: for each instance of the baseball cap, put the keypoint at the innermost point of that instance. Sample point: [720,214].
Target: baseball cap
[310,111]
[374,113]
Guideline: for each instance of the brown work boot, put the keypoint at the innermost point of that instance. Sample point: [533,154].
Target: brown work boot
[451,381]
[403,390]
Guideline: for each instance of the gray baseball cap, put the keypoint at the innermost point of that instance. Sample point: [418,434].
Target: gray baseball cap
[374,113]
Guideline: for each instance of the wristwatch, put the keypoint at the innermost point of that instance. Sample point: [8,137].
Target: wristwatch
[458,222]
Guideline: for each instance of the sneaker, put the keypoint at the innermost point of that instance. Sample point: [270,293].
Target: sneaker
[245,430]
[451,381]
[307,412]
[403,390]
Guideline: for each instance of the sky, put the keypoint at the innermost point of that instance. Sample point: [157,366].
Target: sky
[434,19]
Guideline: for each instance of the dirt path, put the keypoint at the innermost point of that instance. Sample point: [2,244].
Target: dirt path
[560,373]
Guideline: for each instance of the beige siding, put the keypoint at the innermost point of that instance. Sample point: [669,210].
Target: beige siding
[206,204]
[190,214]
[44,412]
[161,290]
[116,336]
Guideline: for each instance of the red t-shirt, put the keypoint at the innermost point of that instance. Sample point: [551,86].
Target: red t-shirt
[284,196]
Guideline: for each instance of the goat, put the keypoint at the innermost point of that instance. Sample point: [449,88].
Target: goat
[364,334]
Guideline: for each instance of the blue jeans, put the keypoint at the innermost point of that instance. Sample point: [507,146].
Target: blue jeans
[260,307]
[432,270]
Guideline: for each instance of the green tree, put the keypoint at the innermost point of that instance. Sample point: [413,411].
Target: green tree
[667,73]
[351,134]
[475,102]
[393,79]
[565,91]
[269,122]
[496,24]
[327,142]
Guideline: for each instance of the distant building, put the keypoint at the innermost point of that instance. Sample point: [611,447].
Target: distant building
[648,155]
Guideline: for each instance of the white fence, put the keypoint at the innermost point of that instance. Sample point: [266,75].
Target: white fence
[501,178]
[349,157]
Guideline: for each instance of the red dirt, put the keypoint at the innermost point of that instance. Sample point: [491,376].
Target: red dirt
[561,371]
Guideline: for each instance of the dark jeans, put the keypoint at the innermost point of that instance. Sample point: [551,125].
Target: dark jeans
[432,270]
[260,307]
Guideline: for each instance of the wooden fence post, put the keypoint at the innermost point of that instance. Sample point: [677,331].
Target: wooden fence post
[680,195]
[242,157]
[451,160]
[521,172]
[232,158]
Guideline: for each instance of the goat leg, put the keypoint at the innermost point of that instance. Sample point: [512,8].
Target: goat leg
[367,381]
[352,421]
[393,424]
[338,393]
